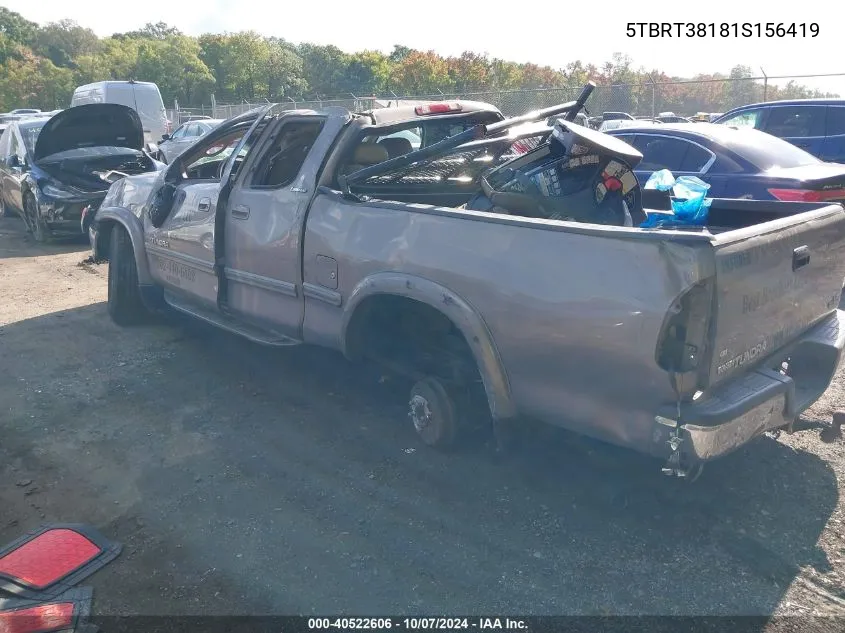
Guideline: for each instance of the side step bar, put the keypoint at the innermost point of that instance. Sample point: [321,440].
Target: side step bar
[224,322]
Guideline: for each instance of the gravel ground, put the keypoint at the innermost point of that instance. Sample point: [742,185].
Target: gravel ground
[245,480]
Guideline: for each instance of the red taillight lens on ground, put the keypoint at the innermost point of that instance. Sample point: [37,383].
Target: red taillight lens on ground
[66,613]
[45,563]
[808,195]
[55,616]
[437,108]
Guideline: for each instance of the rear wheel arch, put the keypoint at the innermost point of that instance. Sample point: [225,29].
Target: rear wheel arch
[436,300]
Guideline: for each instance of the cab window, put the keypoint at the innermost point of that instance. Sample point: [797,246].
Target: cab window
[283,161]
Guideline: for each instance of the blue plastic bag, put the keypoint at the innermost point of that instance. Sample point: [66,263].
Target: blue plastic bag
[690,205]
[662,180]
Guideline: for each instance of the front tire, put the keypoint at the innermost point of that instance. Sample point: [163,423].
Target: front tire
[34,222]
[124,300]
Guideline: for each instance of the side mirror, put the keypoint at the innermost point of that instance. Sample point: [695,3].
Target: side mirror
[165,137]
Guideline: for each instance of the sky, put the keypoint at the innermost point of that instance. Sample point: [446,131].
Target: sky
[553,33]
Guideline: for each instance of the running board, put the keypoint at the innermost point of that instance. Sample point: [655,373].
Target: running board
[225,322]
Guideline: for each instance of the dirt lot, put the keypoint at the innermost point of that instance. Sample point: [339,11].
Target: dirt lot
[248,480]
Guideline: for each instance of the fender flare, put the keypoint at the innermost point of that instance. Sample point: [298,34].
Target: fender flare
[129,221]
[459,312]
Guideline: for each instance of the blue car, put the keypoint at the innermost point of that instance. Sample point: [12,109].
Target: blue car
[816,125]
[735,162]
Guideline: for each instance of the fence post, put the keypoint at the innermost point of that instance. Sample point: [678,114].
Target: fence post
[213,106]
[653,96]
[765,84]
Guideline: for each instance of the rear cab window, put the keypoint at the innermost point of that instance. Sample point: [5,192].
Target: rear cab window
[380,144]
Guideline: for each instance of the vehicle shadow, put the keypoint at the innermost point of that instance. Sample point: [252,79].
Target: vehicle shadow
[16,242]
[346,512]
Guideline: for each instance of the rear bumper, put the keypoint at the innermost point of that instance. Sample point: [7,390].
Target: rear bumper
[759,401]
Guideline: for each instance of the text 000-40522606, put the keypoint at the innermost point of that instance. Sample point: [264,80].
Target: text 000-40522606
[722,29]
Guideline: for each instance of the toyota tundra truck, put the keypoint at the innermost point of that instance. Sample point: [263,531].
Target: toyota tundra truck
[498,264]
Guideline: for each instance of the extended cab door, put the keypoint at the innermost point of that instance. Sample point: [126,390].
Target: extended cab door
[181,250]
[265,218]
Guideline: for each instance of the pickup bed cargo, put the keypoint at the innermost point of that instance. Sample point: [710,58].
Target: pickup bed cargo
[304,227]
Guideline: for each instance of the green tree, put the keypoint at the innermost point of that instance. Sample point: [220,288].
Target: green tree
[34,81]
[326,68]
[505,75]
[470,72]
[17,28]
[421,73]
[64,41]
[283,71]
[150,31]
[369,72]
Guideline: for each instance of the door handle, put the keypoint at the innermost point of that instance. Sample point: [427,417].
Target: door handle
[800,257]
[204,204]
[240,212]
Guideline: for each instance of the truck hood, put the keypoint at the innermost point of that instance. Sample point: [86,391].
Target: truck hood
[92,125]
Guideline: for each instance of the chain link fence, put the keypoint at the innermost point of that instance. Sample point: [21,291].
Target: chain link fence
[646,98]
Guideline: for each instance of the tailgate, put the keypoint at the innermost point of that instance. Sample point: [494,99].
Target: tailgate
[773,282]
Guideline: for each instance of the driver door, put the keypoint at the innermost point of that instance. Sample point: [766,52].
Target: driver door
[181,251]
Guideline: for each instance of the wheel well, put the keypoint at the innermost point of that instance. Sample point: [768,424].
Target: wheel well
[412,338]
[101,248]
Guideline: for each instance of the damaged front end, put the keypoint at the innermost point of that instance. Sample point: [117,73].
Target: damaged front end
[78,155]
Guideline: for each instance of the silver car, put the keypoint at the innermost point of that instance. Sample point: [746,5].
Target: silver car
[183,137]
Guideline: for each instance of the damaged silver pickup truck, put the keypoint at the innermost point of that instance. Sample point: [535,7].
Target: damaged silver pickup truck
[517,278]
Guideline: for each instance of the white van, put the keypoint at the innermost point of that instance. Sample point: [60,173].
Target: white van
[142,96]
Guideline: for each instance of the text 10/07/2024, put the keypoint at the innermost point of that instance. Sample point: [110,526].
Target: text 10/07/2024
[418,624]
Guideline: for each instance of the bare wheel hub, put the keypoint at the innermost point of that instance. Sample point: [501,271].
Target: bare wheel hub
[420,412]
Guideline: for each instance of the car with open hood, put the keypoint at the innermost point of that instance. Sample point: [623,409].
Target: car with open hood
[55,172]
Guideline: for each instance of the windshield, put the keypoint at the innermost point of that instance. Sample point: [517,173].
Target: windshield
[765,151]
[30,135]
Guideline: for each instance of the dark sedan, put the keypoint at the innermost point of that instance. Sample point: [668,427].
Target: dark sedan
[737,163]
[55,172]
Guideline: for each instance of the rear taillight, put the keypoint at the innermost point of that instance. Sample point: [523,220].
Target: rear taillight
[808,195]
[681,346]
[438,108]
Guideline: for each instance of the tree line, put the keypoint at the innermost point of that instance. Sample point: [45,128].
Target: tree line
[41,65]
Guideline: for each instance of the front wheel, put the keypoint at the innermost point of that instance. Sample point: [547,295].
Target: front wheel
[124,300]
[34,222]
